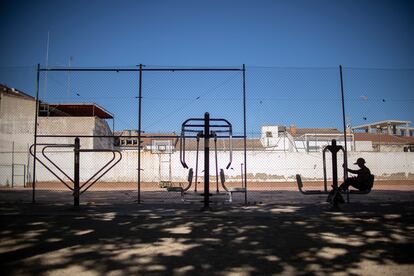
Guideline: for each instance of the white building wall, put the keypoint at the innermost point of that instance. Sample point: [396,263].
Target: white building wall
[363,146]
[269,136]
[273,140]
[16,136]
[75,126]
[16,122]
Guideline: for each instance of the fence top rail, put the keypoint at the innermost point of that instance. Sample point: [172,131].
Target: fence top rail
[139,69]
[123,136]
[49,145]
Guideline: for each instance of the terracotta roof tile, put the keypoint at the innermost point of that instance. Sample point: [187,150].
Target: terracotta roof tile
[383,138]
[303,131]
[223,144]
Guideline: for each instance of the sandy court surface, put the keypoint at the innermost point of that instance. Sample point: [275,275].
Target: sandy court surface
[279,232]
[262,239]
[258,192]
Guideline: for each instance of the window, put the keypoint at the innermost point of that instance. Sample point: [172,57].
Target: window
[314,148]
[269,134]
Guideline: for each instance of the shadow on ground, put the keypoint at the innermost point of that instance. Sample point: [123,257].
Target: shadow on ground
[362,238]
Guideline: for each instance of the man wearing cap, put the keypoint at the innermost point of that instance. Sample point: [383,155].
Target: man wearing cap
[362,181]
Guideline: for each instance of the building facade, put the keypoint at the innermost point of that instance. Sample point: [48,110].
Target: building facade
[17,128]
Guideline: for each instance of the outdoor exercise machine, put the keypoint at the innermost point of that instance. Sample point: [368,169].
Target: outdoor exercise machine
[181,189]
[221,176]
[231,190]
[334,149]
[77,188]
[206,128]
[335,198]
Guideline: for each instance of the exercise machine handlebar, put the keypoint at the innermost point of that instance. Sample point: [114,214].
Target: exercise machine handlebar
[189,127]
[77,189]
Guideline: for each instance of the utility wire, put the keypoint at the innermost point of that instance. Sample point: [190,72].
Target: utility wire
[193,101]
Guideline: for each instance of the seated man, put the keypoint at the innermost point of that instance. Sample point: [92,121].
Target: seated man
[362,181]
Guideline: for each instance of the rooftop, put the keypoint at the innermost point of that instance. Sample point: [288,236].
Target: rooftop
[76,110]
[297,132]
[383,138]
[383,124]
[14,92]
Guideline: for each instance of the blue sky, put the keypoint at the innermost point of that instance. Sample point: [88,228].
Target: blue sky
[302,41]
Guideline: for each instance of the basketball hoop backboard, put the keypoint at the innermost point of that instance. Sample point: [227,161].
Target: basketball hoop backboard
[161,146]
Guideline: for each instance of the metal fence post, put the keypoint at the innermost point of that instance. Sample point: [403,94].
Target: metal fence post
[334,151]
[139,133]
[12,168]
[206,161]
[35,133]
[76,173]
[245,132]
[344,125]
[24,175]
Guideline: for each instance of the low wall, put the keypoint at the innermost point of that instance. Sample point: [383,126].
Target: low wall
[271,166]
[262,166]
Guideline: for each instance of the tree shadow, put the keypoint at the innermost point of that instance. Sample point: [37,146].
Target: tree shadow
[180,240]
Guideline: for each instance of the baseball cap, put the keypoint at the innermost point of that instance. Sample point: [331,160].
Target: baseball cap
[360,161]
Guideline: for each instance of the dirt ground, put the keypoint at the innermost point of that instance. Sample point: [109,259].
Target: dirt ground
[279,232]
[252,185]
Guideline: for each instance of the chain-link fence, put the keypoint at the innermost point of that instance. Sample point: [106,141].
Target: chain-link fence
[291,114]
[115,110]
[294,113]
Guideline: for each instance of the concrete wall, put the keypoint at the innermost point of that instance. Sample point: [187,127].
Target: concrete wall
[262,166]
[16,134]
[283,167]
[21,162]
[16,122]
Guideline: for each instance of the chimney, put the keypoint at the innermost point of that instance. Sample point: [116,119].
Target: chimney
[293,129]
